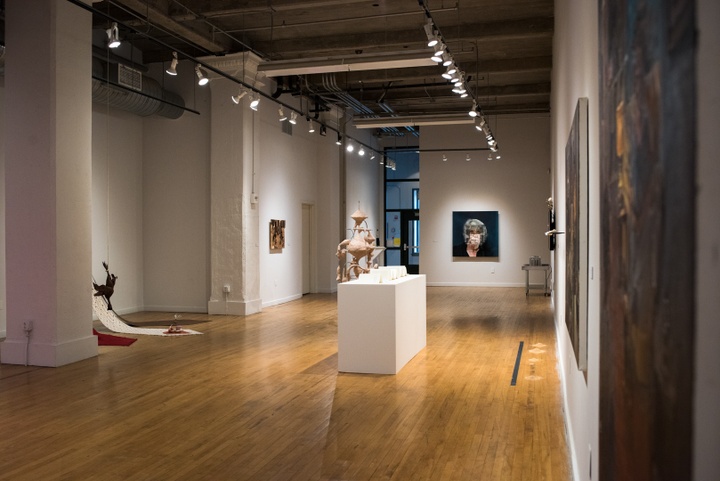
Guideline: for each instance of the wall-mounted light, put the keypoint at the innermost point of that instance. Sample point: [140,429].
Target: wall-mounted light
[172,69]
[201,75]
[113,36]
[237,98]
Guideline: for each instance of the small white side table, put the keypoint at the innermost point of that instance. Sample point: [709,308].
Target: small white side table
[544,267]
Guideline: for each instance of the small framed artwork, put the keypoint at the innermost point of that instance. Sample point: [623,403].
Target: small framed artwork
[277,234]
[475,234]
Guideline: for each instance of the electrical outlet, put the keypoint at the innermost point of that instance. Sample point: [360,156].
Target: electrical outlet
[226,288]
[492,270]
[27,326]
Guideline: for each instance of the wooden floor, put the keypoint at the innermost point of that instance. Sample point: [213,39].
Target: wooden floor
[260,398]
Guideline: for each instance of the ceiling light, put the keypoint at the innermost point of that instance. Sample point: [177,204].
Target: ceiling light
[237,98]
[436,58]
[372,156]
[254,102]
[463,95]
[382,159]
[473,111]
[281,115]
[323,130]
[113,36]
[467,157]
[451,69]
[444,158]
[498,157]
[440,49]
[201,75]
[350,147]
[479,122]
[431,33]
[447,60]
[311,125]
[446,75]
[459,89]
[361,152]
[489,156]
[339,140]
[172,69]
[293,118]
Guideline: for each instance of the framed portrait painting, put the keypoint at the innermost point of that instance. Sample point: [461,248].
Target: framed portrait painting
[475,234]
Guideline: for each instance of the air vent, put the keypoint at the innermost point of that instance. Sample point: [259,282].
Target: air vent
[287,128]
[129,77]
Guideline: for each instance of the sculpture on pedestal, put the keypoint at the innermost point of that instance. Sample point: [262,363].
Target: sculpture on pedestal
[361,244]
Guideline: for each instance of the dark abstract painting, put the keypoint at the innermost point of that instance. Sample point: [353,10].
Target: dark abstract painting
[576,230]
[647,169]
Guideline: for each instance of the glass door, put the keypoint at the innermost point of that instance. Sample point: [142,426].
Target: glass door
[402,211]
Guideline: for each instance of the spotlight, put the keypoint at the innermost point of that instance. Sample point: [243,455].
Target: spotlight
[323,130]
[479,122]
[498,157]
[311,125]
[446,75]
[382,160]
[436,58]
[467,157]
[451,69]
[489,156]
[172,69]
[237,98]
[447,60]
[361,152]
[350,147]
[113,36]
[372,156]
[339,140]
[431,33]
[282,117]
[444,158]
[293,118]
[459,89]
[473,112]
[201,75]
[254,102]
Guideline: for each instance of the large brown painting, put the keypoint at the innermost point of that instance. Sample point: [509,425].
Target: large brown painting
[647,162]
[576,231]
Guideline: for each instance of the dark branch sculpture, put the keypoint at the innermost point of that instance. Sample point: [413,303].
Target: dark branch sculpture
[108,288]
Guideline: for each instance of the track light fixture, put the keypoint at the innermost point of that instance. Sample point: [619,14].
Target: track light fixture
[361,152]
[113,36]
[350,147]
[489,156]
[339,140]
[201,75]
[473,111]
[431,33]
[446,60]
[323,130]
[172,69]
[254,102]
[237,98]
[444,158]
[311,125]
[281,115]
[467,157]
[293,118]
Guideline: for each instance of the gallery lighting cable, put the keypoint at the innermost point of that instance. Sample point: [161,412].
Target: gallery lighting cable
[255,93]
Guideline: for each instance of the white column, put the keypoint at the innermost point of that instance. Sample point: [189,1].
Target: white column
[234,230]
[48,108]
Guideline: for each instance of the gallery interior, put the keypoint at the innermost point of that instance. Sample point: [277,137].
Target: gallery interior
[211,155]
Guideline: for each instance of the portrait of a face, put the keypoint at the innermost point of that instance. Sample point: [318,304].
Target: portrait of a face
[475,234]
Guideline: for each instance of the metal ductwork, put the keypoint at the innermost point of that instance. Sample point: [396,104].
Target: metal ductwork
[151,100]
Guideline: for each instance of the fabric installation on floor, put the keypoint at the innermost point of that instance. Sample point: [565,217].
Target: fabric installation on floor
[116,323]
[110,340]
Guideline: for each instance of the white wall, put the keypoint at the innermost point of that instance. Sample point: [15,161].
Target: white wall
[706,427]
[517,186]
[117,196]
[575,75]
[176,196]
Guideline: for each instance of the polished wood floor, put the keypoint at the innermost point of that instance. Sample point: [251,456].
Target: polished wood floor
[260,398]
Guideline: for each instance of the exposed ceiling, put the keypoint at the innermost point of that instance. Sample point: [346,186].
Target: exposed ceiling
[504,47]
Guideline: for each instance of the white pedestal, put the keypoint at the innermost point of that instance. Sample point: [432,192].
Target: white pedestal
[381,326]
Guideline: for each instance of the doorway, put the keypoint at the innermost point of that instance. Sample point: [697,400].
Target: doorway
[402,210]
